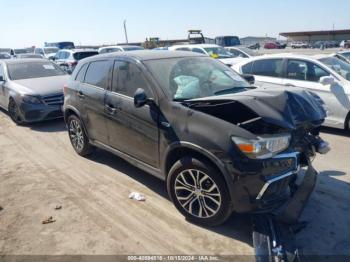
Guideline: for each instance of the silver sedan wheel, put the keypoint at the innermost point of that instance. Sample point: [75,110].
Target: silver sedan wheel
[197,193]
[76,135]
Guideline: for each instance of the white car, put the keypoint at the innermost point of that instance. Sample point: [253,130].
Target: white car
[46,52]
[299,45]
[326,76]
[119,48]
[213,51]
[242,52]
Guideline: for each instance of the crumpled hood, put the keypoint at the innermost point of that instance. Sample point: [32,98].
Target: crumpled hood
[284,108]
[42,86]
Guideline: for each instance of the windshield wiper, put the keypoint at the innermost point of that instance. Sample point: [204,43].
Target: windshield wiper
[231,90]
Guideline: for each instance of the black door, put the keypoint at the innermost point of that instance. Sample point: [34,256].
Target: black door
[92,94]
[133,131]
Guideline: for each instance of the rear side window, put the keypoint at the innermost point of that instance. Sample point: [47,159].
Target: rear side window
[198,50]
[97,74]
[81,75]
[127,78]
[247,69]
[268,67]
[82,55]
[183,49]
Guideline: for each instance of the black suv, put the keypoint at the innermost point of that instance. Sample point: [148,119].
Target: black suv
[220,144]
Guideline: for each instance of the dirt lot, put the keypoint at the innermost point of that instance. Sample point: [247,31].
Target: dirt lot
[39,170]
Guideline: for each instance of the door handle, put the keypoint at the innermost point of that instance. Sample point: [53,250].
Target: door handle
[110,109]
[288,84]
[81,95]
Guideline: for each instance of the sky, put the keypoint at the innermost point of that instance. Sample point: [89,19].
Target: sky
[33,22]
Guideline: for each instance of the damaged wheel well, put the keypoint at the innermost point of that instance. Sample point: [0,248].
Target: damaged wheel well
[181,152]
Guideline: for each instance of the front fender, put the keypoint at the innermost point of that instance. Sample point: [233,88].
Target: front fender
[219,163]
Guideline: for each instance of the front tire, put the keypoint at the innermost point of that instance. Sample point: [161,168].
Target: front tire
[78,137]
[14,112]
[199,192]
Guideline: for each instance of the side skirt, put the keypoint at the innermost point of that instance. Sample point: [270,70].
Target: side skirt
[135,162]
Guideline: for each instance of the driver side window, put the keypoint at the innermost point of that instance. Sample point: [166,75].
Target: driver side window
[305,71]
[127,78]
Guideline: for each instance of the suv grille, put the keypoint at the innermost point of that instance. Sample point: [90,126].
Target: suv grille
[54,100]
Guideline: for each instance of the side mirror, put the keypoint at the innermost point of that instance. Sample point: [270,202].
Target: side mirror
[140,98]
[249,78]
[327,80]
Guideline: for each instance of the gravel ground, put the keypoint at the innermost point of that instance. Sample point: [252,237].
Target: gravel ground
[39,170]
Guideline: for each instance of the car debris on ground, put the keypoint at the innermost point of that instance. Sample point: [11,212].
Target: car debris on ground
[48,221]
[137,196]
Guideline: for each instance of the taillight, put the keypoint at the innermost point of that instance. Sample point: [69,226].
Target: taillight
[73,63]
[65,90]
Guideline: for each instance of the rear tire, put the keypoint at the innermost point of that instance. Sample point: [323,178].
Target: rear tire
[78,137]
[14,112]
[199,192]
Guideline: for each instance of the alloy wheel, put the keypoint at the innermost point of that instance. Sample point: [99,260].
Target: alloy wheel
[76,134]
[197,193]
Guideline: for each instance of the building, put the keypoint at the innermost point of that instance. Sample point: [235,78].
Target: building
[252,40]
[313,36]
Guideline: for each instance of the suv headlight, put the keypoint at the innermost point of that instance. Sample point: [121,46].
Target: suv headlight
[31,99]
[263,147]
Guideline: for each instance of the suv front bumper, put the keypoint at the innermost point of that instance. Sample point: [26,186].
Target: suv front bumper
[265,186]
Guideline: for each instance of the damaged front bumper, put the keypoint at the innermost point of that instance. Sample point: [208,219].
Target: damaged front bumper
[271,186]
[292,210]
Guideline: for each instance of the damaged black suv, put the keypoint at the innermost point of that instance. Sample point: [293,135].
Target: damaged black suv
[220,144]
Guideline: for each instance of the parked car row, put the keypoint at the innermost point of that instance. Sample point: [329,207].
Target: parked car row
[220,144]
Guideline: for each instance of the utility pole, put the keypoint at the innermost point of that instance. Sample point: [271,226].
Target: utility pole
[126,32]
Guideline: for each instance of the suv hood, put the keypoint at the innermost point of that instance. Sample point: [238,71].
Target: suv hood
[42,86]
[283,108]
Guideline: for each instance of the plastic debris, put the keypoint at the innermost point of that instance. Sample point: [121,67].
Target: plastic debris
[48,221]
[137,196]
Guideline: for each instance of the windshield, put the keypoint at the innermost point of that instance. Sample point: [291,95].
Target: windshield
[132,48]
[339,66]
[218,52]
[22,51]
[50,50]
[82,55]
[195,77]
[232,41]
[28,70]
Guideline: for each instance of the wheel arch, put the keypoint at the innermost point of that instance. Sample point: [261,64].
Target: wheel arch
[68,111]
[347,122]
[181,149]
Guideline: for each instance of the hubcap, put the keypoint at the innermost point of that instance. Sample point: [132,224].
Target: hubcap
[197,193]
[76,135]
